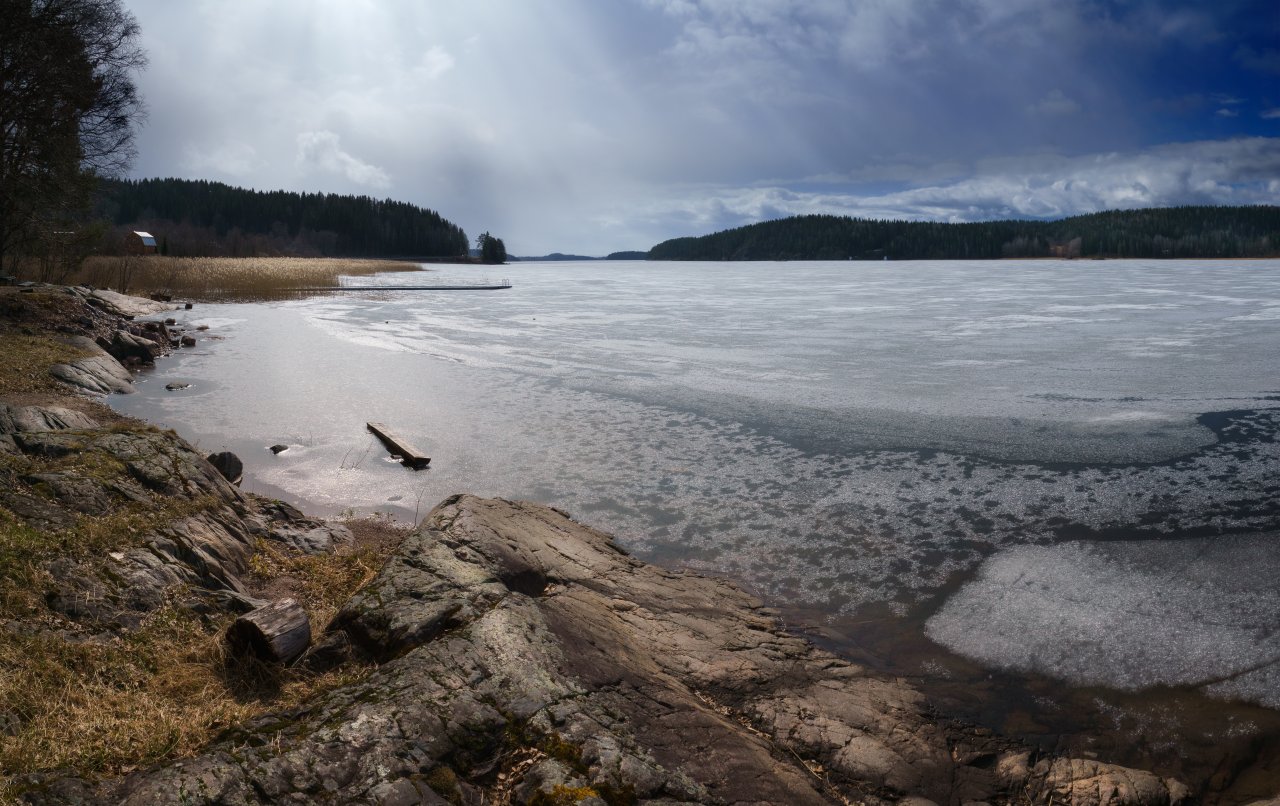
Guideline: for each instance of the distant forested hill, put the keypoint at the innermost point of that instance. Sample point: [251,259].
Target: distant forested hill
[210,218]
[1159,232]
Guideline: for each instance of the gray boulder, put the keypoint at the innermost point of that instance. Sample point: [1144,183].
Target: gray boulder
[228,464]
[127,348]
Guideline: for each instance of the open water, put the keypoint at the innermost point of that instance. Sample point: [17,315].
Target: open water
[1064,470]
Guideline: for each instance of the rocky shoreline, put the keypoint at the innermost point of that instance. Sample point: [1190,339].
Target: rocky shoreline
[508,654]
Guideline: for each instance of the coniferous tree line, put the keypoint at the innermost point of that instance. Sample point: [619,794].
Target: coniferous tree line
[202,218]
[1173,232]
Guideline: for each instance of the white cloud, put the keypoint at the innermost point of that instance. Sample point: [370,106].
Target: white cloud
[322,150]
[1270,114]
[1241,171]
[1227,113]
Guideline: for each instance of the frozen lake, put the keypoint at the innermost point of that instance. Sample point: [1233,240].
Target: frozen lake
[1060,468]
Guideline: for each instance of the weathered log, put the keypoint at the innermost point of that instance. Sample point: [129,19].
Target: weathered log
[398,446]
[277,632]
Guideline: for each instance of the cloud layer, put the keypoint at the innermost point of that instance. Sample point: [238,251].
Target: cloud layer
[588,127]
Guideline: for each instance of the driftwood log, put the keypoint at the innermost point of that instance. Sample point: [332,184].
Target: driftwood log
[399,446]
[278,632]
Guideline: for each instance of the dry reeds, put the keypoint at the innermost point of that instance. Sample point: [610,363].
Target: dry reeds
[225,278]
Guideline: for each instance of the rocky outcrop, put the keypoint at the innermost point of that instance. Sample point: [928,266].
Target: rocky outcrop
[120,304]
[169,520]
[523,657]
[41,418]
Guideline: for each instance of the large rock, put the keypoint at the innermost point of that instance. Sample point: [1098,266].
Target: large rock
[97,372]
[522,655]
[123,304]
[127,348]
[228,464]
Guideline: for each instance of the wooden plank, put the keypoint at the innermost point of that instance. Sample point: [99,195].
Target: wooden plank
[492,287]
[397,446]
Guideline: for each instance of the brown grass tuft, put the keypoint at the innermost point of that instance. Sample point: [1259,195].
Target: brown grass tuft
[322,582]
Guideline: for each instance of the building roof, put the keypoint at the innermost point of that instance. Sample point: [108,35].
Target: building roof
[147,238]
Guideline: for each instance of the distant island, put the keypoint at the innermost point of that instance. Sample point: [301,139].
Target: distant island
[554,256]
[1173,232]
[560,256]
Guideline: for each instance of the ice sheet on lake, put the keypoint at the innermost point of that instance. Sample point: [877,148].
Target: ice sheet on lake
[1128,614]
[746,419]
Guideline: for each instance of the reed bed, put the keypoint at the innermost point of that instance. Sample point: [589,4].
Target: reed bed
[213,279]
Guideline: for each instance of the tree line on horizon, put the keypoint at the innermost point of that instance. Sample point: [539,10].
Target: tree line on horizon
[200,218]
[1170,232]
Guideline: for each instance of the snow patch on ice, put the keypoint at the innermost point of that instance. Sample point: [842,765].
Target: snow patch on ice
[1128,615]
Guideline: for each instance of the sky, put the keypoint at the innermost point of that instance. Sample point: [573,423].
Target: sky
[593,126]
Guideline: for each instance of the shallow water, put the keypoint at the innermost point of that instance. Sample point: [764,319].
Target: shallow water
[843,437]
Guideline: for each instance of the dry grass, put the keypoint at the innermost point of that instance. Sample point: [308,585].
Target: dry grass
[225,278]
[320,582]
[25,362]
[105,706]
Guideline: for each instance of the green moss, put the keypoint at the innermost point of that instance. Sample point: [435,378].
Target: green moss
[444,782]
[556,747]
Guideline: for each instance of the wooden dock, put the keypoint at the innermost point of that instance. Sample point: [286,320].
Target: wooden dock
[397,446]
[482,287]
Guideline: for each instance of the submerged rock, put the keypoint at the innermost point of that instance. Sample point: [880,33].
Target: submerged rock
[522,655]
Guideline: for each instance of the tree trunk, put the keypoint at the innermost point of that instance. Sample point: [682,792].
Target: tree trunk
[278,632]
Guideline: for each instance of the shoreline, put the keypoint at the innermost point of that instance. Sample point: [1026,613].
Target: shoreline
[841,773]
